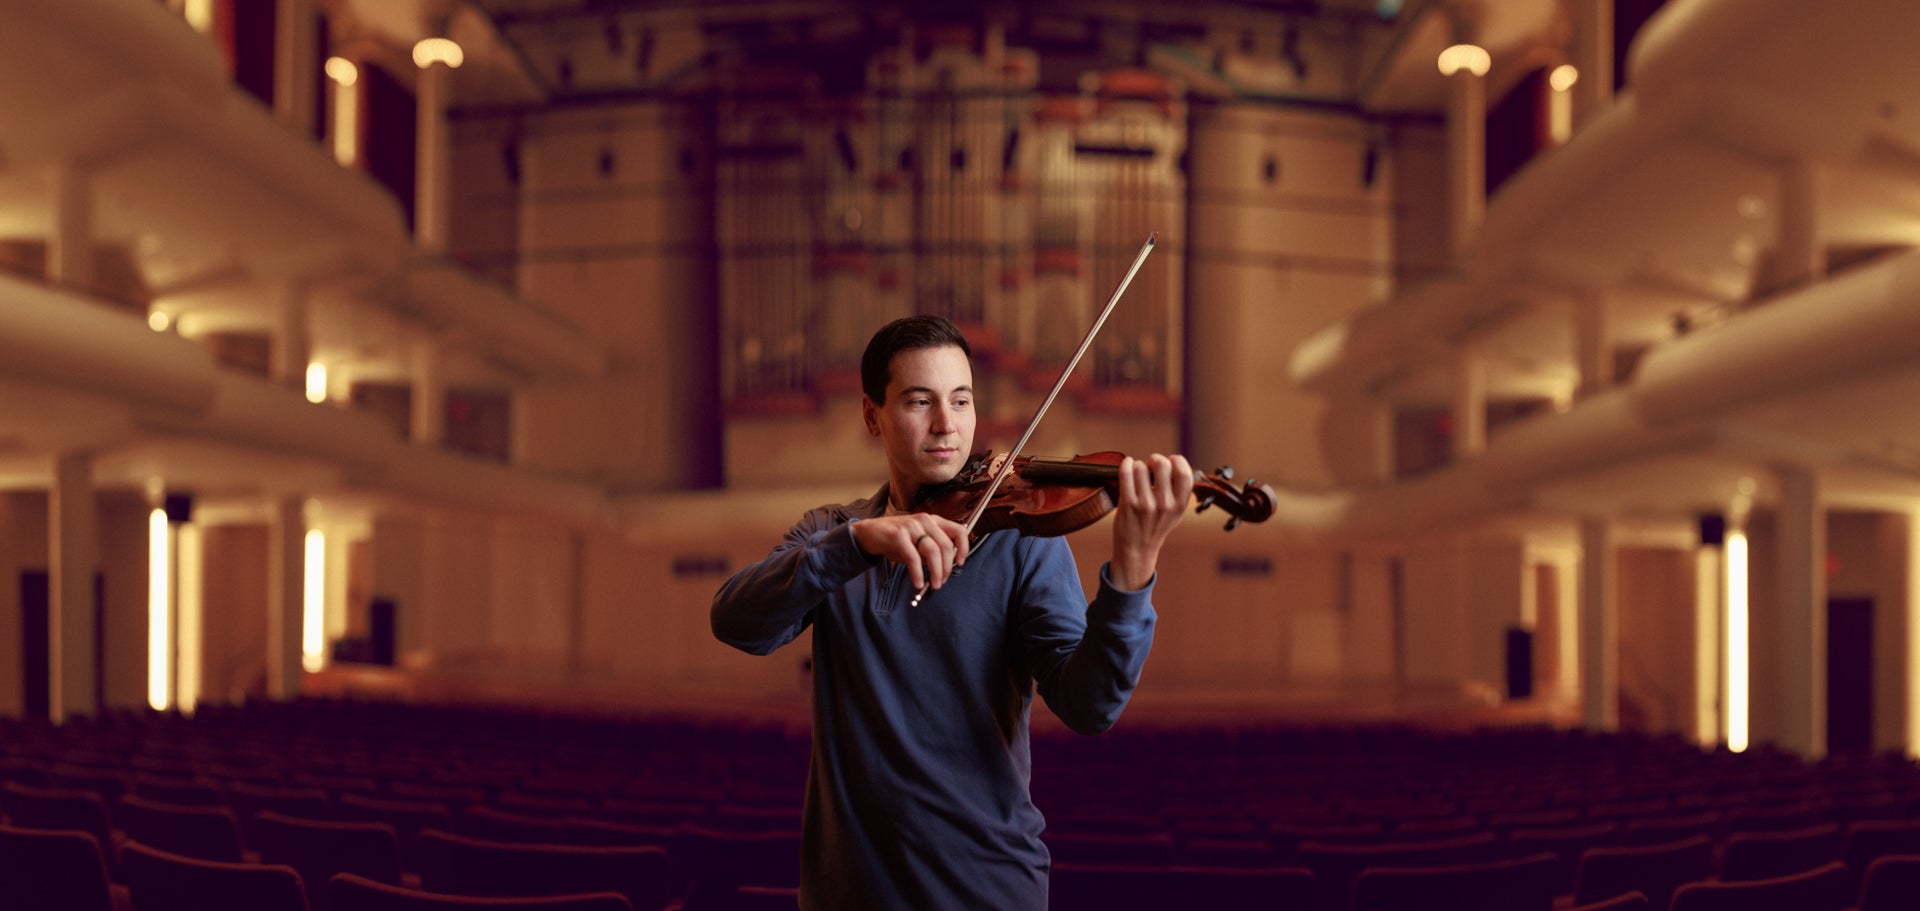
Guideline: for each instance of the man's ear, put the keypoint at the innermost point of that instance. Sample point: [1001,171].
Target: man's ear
[867,410]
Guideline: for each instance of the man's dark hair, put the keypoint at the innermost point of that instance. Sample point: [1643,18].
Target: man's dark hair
[904,334]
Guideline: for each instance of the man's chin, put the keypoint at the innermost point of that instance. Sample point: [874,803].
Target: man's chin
[936,475]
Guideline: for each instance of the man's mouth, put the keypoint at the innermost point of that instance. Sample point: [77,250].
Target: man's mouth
[942,452]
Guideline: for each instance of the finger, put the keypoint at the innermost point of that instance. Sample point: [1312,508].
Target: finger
[1129,481]
[1150,479]
[935,555]
[911,556]
[956,535]
[1164,483]
[1183,477]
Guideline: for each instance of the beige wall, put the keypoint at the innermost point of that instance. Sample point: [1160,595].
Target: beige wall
[622,257]
[123,560]
[234,628]
[1657,656]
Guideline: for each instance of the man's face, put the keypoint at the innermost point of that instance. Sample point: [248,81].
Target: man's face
[926,423]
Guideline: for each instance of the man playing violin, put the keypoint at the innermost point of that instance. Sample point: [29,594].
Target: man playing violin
[917,794]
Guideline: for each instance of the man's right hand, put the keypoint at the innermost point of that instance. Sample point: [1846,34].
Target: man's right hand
[929,545]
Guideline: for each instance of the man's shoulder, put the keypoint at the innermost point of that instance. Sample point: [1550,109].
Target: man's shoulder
[841,513]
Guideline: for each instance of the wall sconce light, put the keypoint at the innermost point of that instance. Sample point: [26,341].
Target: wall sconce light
[342,71]
[430,51]
[1470,57]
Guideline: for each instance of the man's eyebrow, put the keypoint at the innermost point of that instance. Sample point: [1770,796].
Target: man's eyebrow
[928,390]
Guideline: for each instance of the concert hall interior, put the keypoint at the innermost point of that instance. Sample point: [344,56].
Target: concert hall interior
[453,352]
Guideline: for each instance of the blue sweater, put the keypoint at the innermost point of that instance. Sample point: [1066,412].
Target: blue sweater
[917,796]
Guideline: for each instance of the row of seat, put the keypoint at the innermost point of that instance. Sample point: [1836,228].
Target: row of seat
[1238,802]
[66,871]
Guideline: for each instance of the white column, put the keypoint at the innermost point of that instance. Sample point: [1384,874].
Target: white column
[1709,611]
[1470,409]
[577,559]
[295,69]
[75,557]
[70,241]
[1801,257]
[1380,442]
[286,596]
[429,394]
[1910,639]
[1593,342]
[430,206]
[1599,627]
[1801,614]
[1593,56]
[293,342]
[1466,157]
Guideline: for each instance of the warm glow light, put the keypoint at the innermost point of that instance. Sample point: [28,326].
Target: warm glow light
[1563,77]
[1470,57]
[189,611]
[346,124]
[158,321]
[1707,580]
[159,607]
[313,608]
[199,14]
[1560,117]
[1737,641]
[342,71]
[316,382]
[430,51]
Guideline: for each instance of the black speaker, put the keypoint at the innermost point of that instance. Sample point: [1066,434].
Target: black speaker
[380,632]
[1519,663]
[1713,529]
[179,507]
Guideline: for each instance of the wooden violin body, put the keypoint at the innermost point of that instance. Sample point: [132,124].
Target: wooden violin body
[1048,497]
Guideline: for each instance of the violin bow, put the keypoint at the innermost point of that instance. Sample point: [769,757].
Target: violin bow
[1006,465]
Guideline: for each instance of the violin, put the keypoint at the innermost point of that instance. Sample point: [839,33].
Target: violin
[1048,497]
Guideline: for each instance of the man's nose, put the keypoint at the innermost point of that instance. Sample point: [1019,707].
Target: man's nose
[943,419]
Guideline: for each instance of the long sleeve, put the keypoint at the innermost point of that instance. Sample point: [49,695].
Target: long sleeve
[768,604]
[1086,658]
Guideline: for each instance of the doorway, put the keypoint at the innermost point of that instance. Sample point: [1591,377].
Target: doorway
[1850,675]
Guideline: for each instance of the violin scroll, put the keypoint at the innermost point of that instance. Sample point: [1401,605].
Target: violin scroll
[1253,502]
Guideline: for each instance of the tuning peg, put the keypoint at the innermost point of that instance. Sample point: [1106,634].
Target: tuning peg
[1252,484]
[1233,523]
[1204,502]
[1225,471]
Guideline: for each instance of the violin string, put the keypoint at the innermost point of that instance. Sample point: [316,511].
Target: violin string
[1086,342]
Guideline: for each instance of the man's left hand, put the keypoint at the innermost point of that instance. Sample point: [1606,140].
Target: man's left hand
[1153,499]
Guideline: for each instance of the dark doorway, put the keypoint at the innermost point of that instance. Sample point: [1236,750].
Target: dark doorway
[1850,675]
[36,643]
[36,663]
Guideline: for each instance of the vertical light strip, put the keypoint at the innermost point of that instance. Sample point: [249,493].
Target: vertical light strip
[345,75]
[159,586]
[316,382]
[313,607]
[1560,102]
[1737,641]
[1709,581]
[1913,634]
[188,605]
